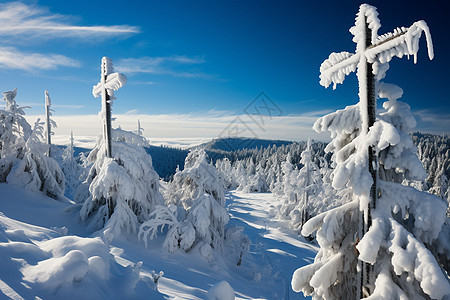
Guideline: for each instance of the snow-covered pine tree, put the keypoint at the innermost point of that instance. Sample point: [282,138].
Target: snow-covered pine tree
[23,155]
[402,220]
[257,183]
[14,131]
[195,214]
[285,188]
[127,179]
[72,170]
[240,174]
[308,191]
[225,172]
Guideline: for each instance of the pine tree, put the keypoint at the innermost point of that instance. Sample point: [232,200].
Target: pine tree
[127,180]
[195,213]
[23,154]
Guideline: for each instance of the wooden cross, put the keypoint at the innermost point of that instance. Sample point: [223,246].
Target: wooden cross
[48,113]
[370,60]
[140,129]
[109,83]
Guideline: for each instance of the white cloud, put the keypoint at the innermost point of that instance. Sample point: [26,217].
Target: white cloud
[132,112]
[69,106]
[161,65]
[12,58]
[20,20]
[142,82]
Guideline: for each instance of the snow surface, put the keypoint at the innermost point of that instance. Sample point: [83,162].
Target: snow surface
[48,253]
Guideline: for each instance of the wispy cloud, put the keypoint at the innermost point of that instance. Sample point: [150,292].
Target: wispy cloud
[132,112]
[70,106]
[12,58]
[162,65]
[142,82]
[37,104]
[432,121]
[20,20]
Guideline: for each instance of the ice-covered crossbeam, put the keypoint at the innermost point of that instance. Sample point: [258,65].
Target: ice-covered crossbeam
[336,67]
[403,41]
[109,80]
[113,83]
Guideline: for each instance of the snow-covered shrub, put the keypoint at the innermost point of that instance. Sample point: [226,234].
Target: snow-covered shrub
[236,244]
[23,159]
[403,220]
[120,192]
[195,213]
[221,291]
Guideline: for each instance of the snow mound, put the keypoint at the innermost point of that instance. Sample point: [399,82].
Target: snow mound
[54,272]
[39,263]
[221,291]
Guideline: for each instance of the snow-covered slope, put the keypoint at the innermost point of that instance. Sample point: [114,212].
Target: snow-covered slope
[47,253]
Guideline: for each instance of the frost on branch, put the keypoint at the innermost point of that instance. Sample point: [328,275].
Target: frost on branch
[127,180]
[330,276]
[23,159]
[396,243]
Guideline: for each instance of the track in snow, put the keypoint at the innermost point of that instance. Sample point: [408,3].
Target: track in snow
[275,248]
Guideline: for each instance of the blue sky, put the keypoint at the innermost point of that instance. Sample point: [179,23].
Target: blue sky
[209,59]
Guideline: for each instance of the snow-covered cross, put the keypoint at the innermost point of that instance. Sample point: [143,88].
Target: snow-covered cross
[109,83]
[49,121]
[140,130]
[370,61]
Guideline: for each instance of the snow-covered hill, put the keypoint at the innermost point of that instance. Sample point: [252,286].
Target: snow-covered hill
[47,253]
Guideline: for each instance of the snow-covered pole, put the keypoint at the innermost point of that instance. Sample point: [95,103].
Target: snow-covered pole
[140,129]
[109,82]
[71,146]
[47,118]
[372,156]
[106,104]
